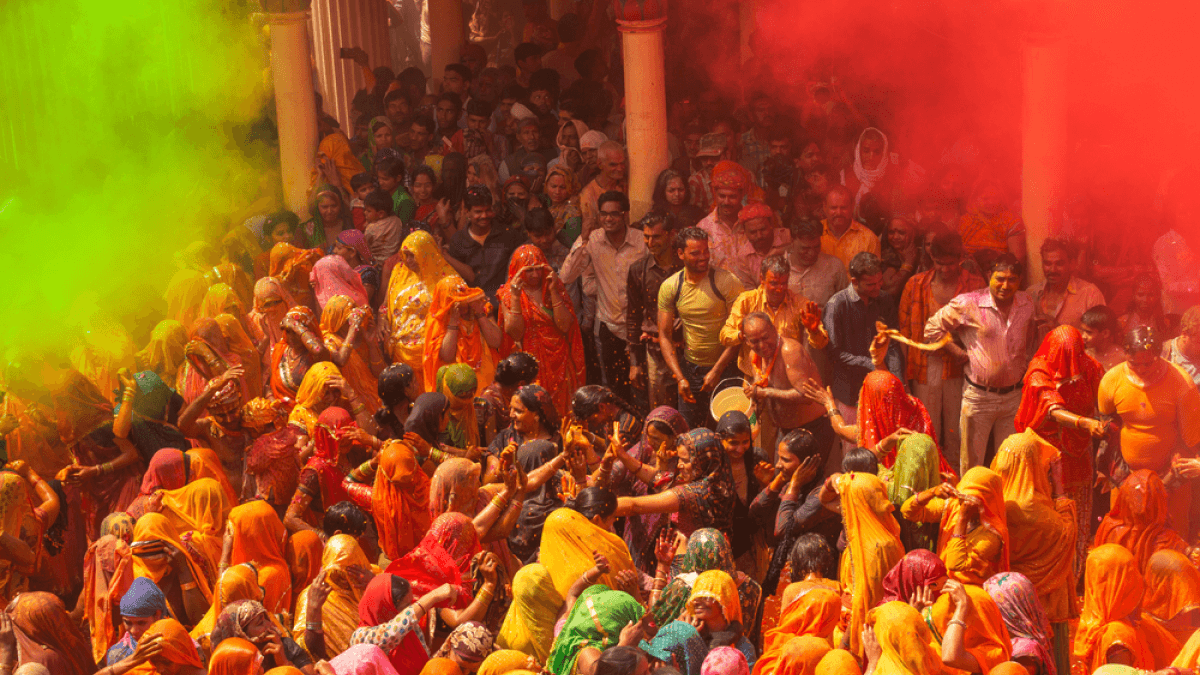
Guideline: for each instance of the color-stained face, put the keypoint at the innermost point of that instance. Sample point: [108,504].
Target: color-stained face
[695,256]
[837,209]
[871,152]
[806,251]
[137,626]
[658,238]
[347,253]
[613,217]
[447,115]
[736,446]
[776,286]
[329,207]
[556,189]
[869,285]
[676,191]
[761,338]
[1004,285]
[760,233]
[422,187]
[810,157]
[1056,267]
[729,202]
[524,420]
[612,165]
[900,234]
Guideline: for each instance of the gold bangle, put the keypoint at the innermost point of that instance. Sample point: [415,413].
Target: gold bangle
[499,502]
[188,586]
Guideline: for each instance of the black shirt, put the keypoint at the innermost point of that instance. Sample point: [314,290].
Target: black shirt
[850,322]
[489,259]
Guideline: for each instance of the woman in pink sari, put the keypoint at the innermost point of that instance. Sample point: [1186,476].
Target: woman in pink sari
[331,276]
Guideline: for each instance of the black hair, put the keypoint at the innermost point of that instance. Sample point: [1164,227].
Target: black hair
[528,396]
[286,217]
[344,517]
[512,91]
[656,218]
[807,229]
[453,183]
[660,186]
[775,263]
[946,244]
[425,170]
[1100,318]
[865,264]
[539,221]
[689,234]
[462,70]
[587,399]
[425,122]
[379,200]
[392,96]
[1006,262]
[1064,246]
[666,670]
[515,369]
[594,501]
[477,196]
[801,443]
[390,166]
[587,60]
[1142,338]
[54,539]
[576,107]
[613,196]
[619,661]
[546,79]
[412,78]
[358,180]
[394,382]
[736,425]
[526,50]
[811,553]
[453,98]
[861,460]
[400,590]
[479,108]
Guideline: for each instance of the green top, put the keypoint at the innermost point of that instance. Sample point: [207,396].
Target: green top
[701,310]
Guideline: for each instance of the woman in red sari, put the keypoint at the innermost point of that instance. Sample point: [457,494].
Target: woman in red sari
[1057,402]
[322,480]
[442,557]
[536,314]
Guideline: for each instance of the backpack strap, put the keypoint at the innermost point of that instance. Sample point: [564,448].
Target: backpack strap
[712,281]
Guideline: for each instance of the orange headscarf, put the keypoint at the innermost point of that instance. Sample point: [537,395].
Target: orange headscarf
[1112,596]
[289,263]
[985,636]
[815,613]
[730,175]
[258,538]
[204,463]
[157,526]
[177,647]
[907,645]
[107,574]
[472,350]
[400,499]
[838,662]
[199,508]
[304,551]
[239,582]
[334,321]
[1041,530]
[1138,518]
[874,545]
[985,484]
[1172,589]
[235,656]
[798,656]
[241,344]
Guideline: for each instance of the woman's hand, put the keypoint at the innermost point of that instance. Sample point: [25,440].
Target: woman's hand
[272,645]
[318,592]
[360,575]
[445,595]
[871,648]
[804,473]
[879,348]
[8,640]
[764,472]
[922,597]
[815,393]
[419,444]
[147,648]
[21,468]
[488,568]
[957,596]
[602,564]
[943,491]
[893,439]
[665,547]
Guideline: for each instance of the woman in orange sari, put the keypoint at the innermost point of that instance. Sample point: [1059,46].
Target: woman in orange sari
[162,558]
[345,571]
[204,463]
[874,546]
[239,582]
[198,511]
[1173,593]
[458,330]
[815,613]
[1041,528]
[400,500]
[984,637]
[537,318]
[1110,626]
[184,294]
[178,655]
[1058,401]
[241,344]
[300,348]
[272,302]
[973,537]
[1138,518]
[292,267]
[304,551]
[258,538]
[348,335]
[209,354]
[46,635]
[107,574]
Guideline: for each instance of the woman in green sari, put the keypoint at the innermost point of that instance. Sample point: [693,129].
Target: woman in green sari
[329,218]
[379,135]
[915,470]
[457,382]
[593,625]
[707,549]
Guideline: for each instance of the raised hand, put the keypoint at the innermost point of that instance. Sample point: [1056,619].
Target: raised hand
[810,316]
[764,472]
[601,560]
[807,470]
[665,547]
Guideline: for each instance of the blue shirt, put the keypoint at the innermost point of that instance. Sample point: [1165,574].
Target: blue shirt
[850,322]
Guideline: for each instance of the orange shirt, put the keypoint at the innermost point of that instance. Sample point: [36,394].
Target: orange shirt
[1157,421]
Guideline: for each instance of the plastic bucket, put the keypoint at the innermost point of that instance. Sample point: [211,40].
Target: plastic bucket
[730,398]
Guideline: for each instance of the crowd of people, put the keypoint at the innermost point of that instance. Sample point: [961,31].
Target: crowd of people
[806,415]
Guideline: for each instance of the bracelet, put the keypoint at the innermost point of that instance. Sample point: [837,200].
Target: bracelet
[315,627]
[364,468]
[420,606]
[484,593]
[833,413]
[500,502]
[437,455]
[957,622]
[450,328]
[191,586]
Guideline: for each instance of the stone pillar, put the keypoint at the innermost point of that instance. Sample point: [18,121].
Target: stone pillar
[338,24]
[747,23]
[446,37]
[645,108]
[1043,143]
[295,106]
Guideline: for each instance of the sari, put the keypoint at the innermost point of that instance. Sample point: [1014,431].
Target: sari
[1028,629]
[560,356]
[285,382]
[838,662]
[1041,529]
[529,625]
[235,656]
[458,383]
[46,635]
[443,557]
[504,661]
[362,659]
[367,159]
[184,294]
[905,641]
[1111,615]
[158,526]
[292,267]
[642,529]
[705,502]
[915,470]
[323,477]
[984,550]
[1063,376]
[707,549]
[874,547]
[303,552]
[470,641]
[238,583]
[379,606]
[725,661]
[1138,518]
[258,537]
[105,348]
[717,585]
[568,542]
[312,392]
[167,470]
[332,276]
[335,326]
[916,570]
[272,462]
[336,146]
[220,299]
[678,645]
[1172,592]
[985,636]
[313,230]
[198,511]
[177,647]
[595,621]
[409,297]
[568,216]
[798,656]
[241,344]
[399,500]
[884,407]
[425,418]
[339,614]
[209,354]
[814,613]
[204,463]
[454,487]
[448,294]
[272,302]
[164,353]
[107,575]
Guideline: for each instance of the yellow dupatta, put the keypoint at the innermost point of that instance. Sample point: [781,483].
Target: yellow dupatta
[339,614]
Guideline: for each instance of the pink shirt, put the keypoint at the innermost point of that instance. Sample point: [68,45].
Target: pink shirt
[998,350]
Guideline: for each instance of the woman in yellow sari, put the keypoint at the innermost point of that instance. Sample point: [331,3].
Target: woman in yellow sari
[343,566]
[984,635]
[323,387]
[973,539]
[529,625]
[1173,593]
[906,647]
[164,353]
[874,546]
[292,267]
[1041,528]
[204,463]
[198,511]
[1110,626]
[239,582]
[346,332]
[241,344]
[221,299]
[569,542]
[409,296]
[459,309]
[182,577]
[814,612]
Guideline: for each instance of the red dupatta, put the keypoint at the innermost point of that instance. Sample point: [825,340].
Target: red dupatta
[884,407]
[1060,375]
[376,608]
[442,557]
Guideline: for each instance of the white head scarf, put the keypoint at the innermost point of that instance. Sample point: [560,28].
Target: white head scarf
[868,179]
